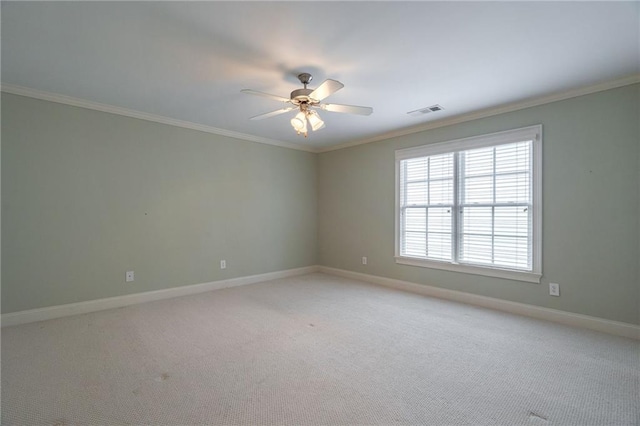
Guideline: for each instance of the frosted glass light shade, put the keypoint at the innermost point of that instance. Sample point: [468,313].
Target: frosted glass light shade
[315,121]
[299,122]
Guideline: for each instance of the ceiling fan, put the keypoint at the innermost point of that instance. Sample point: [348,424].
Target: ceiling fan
[307,101]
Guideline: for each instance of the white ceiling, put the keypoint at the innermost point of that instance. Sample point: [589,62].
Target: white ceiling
[189,60]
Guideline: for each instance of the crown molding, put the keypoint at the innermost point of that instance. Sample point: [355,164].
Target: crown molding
[488,112]
[81,103]
[501,109]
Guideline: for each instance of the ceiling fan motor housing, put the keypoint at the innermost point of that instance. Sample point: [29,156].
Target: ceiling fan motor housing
[301,96]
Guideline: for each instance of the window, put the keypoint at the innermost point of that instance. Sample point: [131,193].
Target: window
[472,205]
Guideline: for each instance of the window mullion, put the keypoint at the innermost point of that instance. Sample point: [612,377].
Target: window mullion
[458,170]
[403,207]
[530,208]
[493,210]
[426,210]
[405,189]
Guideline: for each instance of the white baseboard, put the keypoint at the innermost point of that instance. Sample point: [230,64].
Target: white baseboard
[567,318]
[42,314]
[562,317]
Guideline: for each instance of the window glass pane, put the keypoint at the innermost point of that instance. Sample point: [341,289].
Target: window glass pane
[415,220]
[513,157]
[512,221]
[476,249]
[439,236]
[478,162]
[512,188]
[441,192]
[476,220]
[415,168]
[439,219]
[512,252]
[441,166]
[439,246]
[415,244]
[416,193]
[478,190]
[415,237]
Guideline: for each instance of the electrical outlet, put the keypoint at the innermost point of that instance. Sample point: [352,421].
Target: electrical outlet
[223,264]
[129,276]
[554,289]
[364,260]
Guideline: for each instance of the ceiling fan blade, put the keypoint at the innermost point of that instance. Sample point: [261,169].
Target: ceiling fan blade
[273,113]
[325,89]
[266,95]
[349,109]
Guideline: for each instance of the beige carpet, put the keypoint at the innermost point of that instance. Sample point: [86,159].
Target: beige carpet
[315,350]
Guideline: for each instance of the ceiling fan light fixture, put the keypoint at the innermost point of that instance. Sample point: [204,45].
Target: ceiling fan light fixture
[299,122]
[315,120]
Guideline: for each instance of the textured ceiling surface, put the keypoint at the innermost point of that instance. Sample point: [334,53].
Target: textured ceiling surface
[189,60]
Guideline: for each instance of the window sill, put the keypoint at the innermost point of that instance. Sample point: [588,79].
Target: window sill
[531,277]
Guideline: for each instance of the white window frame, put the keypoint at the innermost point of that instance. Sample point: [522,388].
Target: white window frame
[533,133]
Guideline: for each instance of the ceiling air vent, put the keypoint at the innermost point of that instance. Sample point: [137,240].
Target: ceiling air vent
[426,110]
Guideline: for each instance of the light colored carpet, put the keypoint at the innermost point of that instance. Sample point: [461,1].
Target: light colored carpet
[315,349]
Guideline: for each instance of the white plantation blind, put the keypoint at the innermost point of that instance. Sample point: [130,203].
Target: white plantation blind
[427,194]
[495,206]
[472,202]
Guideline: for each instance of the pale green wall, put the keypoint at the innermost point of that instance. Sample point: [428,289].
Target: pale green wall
[88,195]
[590,206]
[76,185]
